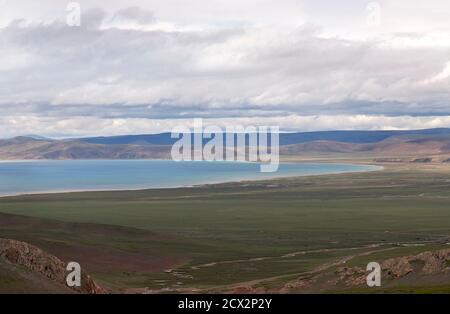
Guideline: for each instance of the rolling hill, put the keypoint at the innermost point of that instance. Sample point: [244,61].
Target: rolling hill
[30,148]
[360,137]
[410,145]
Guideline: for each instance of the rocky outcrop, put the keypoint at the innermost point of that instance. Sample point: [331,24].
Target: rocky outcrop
[246,290]
[426,263]
[393,160]
[422,160]
[47,265]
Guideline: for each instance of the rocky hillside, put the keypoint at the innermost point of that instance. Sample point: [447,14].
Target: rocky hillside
[27,269]
[412,270]
[427,269]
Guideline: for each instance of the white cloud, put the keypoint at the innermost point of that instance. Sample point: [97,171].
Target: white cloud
[93,126]
[139,61]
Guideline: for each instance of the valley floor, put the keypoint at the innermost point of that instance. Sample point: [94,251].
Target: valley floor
[265,236]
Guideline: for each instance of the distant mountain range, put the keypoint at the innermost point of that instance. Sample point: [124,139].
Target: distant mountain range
[418,145]
[285,138]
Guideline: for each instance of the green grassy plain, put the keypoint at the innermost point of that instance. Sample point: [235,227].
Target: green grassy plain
[221,236]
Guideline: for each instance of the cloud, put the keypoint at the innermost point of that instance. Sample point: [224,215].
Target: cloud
[79,126]
[127,66]
[135,14]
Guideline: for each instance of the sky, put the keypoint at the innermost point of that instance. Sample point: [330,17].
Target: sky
[132,67]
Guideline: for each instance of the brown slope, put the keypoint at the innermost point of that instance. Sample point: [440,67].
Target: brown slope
[18,146]
[26,265]
[98,248]
[26,148]
[401,146]
[416,148]
[320,147]
[393,147]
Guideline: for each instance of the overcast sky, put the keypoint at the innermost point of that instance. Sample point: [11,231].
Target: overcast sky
[145,66]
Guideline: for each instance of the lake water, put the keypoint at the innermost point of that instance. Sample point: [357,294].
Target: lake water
[21,177]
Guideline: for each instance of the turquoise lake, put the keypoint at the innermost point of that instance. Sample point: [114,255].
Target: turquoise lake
[21,177]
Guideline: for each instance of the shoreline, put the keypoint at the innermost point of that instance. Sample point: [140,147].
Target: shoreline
[200,185]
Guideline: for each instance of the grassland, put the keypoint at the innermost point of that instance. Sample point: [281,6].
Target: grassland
[222,236]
